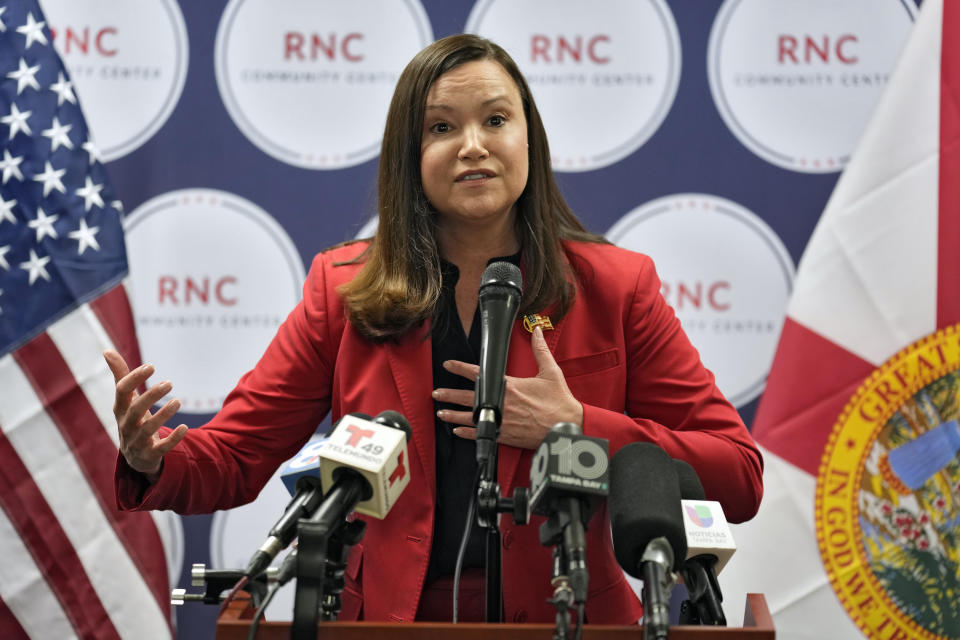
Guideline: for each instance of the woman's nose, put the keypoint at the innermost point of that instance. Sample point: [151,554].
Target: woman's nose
[471,145]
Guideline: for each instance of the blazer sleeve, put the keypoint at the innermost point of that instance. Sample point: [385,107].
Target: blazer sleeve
[673,401]
[271,413]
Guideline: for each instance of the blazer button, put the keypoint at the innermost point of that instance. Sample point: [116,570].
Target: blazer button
[508,538]
[520,616]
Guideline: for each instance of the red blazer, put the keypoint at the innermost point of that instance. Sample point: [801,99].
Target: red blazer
[624,357]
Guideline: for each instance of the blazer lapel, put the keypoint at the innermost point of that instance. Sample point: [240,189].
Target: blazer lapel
[409,359]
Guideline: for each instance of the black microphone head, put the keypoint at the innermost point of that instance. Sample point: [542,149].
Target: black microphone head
[644,504]
[394,419]
[502,274]
[690,486]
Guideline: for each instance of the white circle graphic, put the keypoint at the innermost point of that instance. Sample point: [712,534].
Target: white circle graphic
[308,82]
[796,80]
[604,76]
[128,63]
[212,277]
[727,276]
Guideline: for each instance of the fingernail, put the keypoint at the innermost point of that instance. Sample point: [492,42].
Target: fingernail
[442,414]
[435,393]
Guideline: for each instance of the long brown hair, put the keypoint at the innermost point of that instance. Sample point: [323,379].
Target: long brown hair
[399,284]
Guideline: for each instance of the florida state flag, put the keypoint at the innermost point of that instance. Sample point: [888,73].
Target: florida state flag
[859,533]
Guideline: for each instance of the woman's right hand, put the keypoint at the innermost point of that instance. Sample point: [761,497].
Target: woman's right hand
[140,445]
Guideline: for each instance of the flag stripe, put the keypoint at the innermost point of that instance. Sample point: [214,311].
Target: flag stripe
[80,340]
[801,397]
[52,463]
[113,311]
[28,603]
[80,427]
[9,626]
[37,525]
[948,277]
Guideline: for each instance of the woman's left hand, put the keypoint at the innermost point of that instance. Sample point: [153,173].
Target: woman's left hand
[530,405]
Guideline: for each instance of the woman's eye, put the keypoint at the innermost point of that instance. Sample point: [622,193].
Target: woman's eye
[497,121]
[440,127]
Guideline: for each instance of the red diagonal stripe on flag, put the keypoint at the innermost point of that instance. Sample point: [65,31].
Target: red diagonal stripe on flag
[810,382]
[948,268]
[54,555]
[69,409]
[9,625]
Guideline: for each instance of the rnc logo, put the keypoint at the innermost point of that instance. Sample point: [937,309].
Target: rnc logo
[730,301]
[796,80]
[309,83]
[128,62]
[618,61]
[699,515]
[206,311]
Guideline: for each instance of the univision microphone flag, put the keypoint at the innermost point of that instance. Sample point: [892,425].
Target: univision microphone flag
[859,532]
[73,565]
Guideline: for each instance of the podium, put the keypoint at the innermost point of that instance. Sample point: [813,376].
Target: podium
[234,624]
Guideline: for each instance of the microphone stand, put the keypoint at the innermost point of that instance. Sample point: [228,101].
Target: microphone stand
[488,498]
[490,504]
[552,534]
[703,606]
[315,535]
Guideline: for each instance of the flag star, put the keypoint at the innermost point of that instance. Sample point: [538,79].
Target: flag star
[3,27]
[92,150]
[51,179]
[24,76]
[17,121]
[44,224]
[6,210]
[85,237]
[36,266]
[64,90]
[58,135]
[10,166]
[90,194]
[33,30]
[3,261]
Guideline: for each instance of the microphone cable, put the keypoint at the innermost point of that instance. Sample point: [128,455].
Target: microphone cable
[241,583]
[462,551]
[258,616]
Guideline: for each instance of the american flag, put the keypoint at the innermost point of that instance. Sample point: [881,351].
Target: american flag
[72,564]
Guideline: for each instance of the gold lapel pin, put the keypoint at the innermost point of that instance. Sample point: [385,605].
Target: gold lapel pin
[537,320]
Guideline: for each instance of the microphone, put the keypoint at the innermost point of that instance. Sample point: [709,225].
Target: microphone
[569,475]
[364,465]
[301,477]
[709,546]
[649,540]
[500,289]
